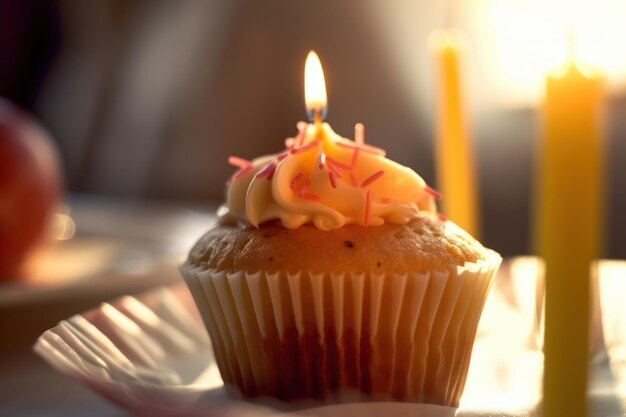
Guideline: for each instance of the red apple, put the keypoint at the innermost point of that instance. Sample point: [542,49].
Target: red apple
[30,186]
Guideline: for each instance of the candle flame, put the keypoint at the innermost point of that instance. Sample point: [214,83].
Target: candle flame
[314,88]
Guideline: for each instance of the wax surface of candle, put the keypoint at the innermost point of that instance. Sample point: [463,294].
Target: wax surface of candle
[455,165]
[569,231]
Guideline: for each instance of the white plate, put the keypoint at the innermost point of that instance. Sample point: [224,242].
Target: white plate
[150,354]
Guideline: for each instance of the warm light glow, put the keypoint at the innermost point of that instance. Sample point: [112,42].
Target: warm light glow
[70,262]
[520,41]
[314,87]
[511,46]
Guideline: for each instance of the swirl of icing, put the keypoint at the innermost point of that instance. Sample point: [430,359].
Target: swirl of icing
[327,180]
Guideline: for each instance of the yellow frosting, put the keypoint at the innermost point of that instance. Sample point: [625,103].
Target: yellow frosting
[296,187]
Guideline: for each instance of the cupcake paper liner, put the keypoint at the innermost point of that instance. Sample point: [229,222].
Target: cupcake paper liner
[328,336]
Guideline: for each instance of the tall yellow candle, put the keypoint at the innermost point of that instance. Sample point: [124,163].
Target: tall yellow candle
[569,230]
[455,164]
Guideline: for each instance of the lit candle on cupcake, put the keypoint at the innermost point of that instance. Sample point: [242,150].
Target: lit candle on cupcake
[330,272]
[325,179]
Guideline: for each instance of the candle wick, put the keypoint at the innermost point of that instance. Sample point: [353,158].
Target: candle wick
[317,115]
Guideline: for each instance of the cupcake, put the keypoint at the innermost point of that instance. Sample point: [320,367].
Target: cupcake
[331,276]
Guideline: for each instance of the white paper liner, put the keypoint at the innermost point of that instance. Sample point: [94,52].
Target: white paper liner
[304,335]
[151,355]
[122,350]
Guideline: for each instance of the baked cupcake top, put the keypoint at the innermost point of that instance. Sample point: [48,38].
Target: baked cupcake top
[424,243]
[325,180]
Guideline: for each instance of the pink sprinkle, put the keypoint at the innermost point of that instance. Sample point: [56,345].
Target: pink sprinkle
[338,164]
[355,155]
[442,217]
[283,155]
[331,177]
[321,160]
[359,134]
[353,180]
[432,192]
[304,188]
[295,182]
[334,170]
[372,178]
[310,196]
[304,148]
[239,162]
[368,203]
[301,132]
[289,142]
[365,148]
[268,171]
[240,173]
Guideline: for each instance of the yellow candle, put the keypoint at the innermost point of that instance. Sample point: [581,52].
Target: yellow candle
[569,230]
[455,165]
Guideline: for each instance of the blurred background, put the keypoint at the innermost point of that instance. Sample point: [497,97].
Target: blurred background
[147,99]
